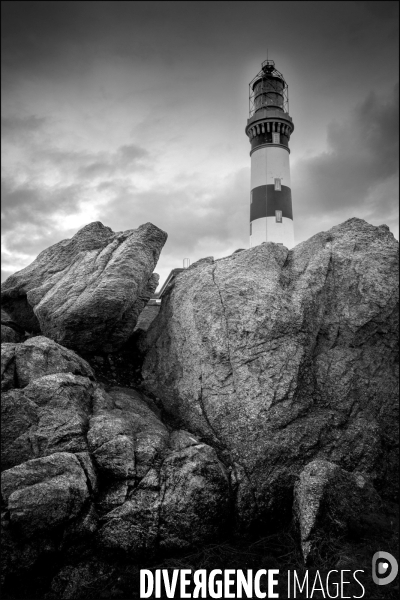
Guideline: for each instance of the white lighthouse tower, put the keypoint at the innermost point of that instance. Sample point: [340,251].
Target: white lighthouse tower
[269,128]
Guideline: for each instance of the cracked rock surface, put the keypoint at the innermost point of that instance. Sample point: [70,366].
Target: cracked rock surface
[44,492]
[22,363]
[87,471]
[277,357]
[329,501]
[266,374]
[87,292]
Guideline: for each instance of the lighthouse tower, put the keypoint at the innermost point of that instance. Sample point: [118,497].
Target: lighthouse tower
[269,128]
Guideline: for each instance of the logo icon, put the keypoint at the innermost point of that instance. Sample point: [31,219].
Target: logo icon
[384,568]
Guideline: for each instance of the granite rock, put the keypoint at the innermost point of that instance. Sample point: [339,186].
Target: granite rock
[86,292]
[44,493]
[162,488]
[278,357]
[331,502]
[49,415]
[36,357]
[9,335]
[126,436]
[180,505]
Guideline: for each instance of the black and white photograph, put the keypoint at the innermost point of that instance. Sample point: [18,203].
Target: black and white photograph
[199,299]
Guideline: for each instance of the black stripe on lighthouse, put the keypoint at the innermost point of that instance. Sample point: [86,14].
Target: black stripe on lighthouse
[265,200]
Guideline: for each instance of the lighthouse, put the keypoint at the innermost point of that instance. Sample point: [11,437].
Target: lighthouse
[269,128]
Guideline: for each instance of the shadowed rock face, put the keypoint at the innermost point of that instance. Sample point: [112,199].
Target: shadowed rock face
[45,492]
[9,335]
[87,292]
[279,357]
[161,489]
[72,452]
[49,415]
[10,331]
[330,502]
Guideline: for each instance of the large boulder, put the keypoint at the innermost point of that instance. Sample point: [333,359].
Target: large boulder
[277,357]
[35,358]
[73,453]
[330,502]
[49,415]
[87,292]
[180,503]
[195,500]
[126,436]
[47,397]
[160,488]
[44,493]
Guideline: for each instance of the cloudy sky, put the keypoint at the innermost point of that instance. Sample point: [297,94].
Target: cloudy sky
[128,112]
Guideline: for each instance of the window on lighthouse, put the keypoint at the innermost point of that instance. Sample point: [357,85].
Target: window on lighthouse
[278,216]
[278,185]
[276,138]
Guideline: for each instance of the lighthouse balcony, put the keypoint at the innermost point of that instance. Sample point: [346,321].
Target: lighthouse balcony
[269,127]
[270,114]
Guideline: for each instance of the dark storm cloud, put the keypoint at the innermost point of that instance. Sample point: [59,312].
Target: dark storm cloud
[137,109]
[34,206]
[39,205]
[28,226]
[386,9]
[36,35]
[193,218]
[12,127]
[42,36]
[189,213]
[85,163]
[89,165]
[127,157]
[36,32]
[363,152]
[30,239]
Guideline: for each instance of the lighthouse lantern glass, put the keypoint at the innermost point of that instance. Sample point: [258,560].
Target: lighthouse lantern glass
[268,90]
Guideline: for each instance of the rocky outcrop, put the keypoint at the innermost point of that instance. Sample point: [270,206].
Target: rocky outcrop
[49,415]
[164,489]
[45,492]
[86,292]
[10,331]
[180,503]
[125,435]
[265,373]
[278,357]
[331,502]
[36,357]
[95,471]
